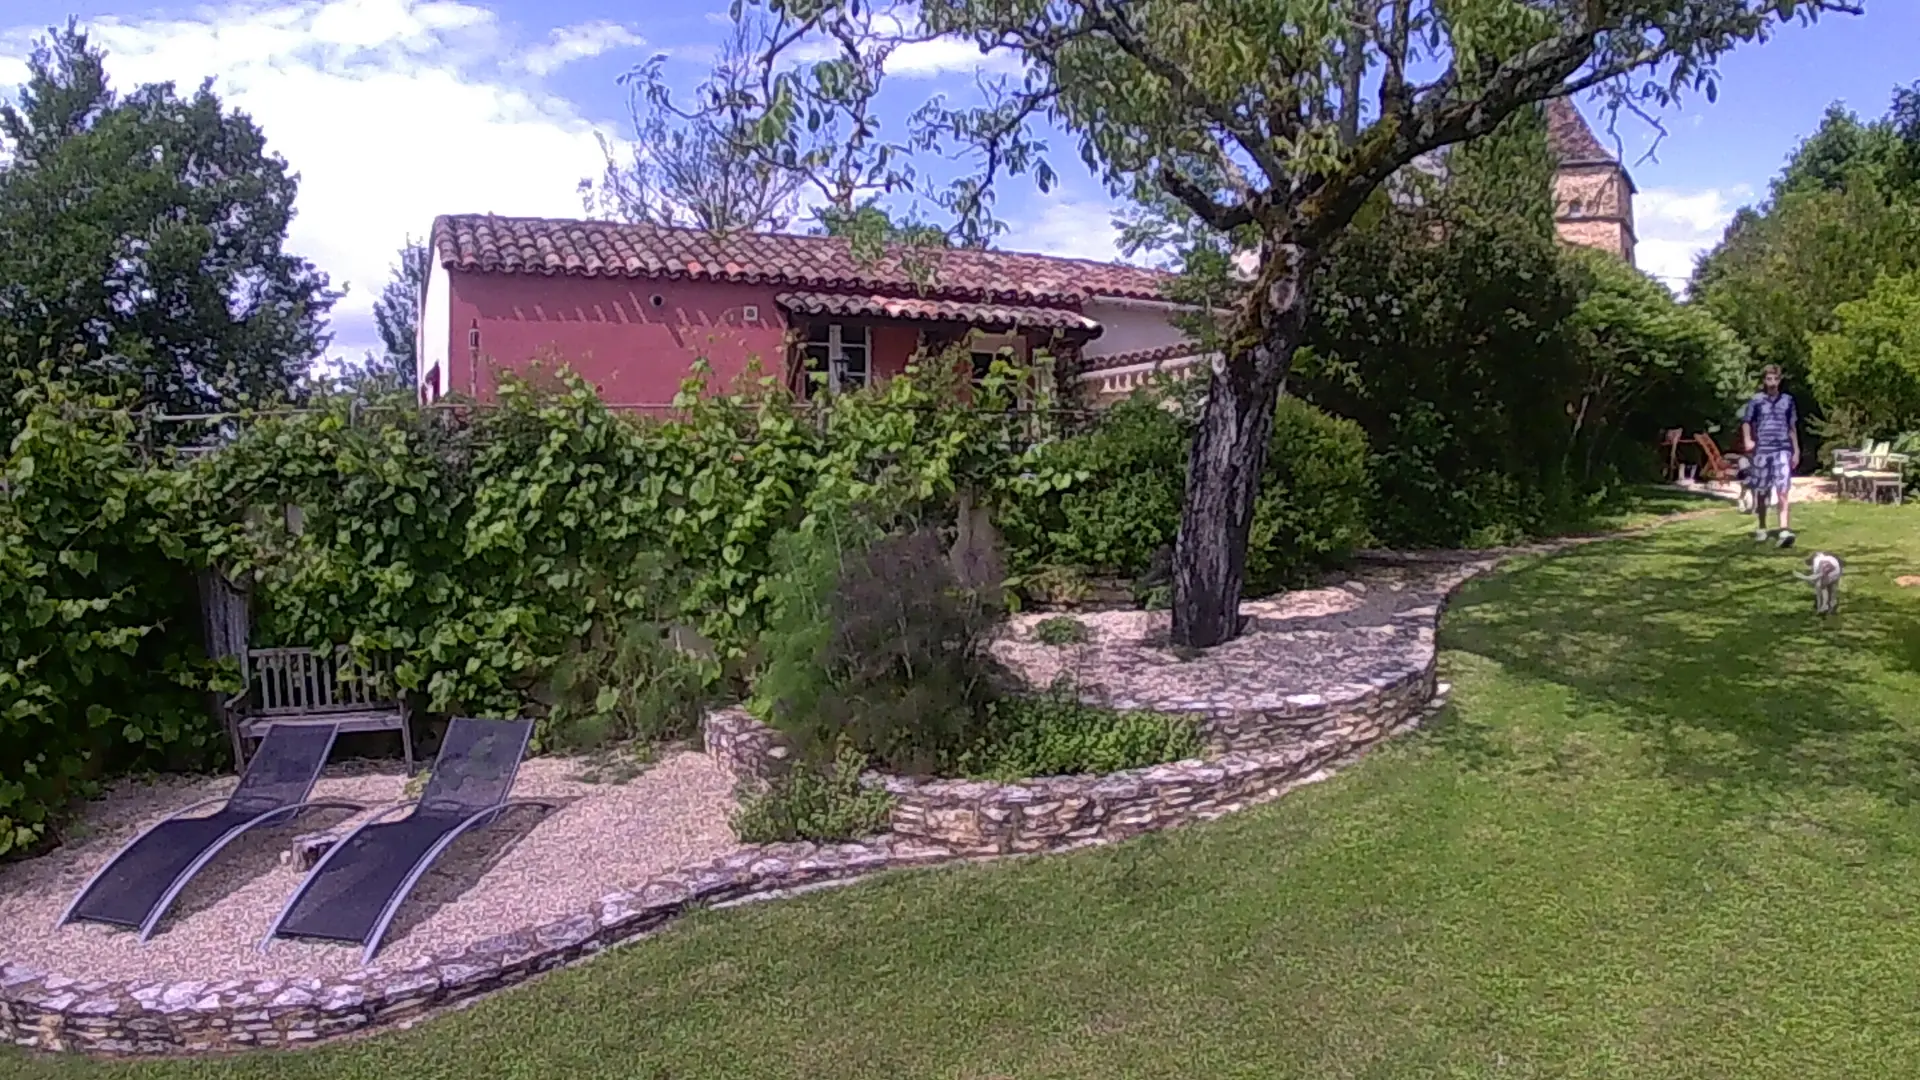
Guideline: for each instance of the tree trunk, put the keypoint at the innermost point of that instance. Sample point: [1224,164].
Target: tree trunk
[1229,453]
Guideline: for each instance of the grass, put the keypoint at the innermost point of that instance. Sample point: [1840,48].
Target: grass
[1669,827]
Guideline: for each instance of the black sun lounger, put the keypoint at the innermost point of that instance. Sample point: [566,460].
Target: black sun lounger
[352,893]
[137,886]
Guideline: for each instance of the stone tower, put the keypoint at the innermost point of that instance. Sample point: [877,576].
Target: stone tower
[1592,193]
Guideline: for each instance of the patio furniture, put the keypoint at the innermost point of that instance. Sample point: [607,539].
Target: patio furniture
[1847,462]
[137,886]
[1872,473]
[329,687]
[1716,467]
[353,892]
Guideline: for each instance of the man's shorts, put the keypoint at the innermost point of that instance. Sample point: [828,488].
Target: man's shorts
[1771,472]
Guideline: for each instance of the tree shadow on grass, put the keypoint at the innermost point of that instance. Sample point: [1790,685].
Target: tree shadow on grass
[1708,653]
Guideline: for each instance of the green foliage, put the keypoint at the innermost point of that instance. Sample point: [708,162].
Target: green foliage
[1055,735]
[1648,363]
[1844,212]
[1060,630]
[1110,499]
[100,665]
[1314,497]
[820,804]
[146,230]
[1870,364]
[1104,500]
[874,647]
[640,680]
[1503,380]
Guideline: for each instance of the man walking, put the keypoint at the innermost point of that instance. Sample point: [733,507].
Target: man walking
[1770,430]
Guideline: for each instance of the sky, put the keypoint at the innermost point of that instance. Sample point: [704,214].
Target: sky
[394,111]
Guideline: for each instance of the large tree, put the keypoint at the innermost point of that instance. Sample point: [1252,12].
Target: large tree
[142,236]
[1272,121]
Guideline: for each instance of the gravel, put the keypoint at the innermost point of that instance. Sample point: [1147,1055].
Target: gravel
[525,869]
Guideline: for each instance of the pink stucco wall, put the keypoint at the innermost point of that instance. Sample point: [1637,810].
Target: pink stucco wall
[612,333]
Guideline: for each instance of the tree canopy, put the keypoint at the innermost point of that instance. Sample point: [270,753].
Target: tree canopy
[1843,213]
[141,235]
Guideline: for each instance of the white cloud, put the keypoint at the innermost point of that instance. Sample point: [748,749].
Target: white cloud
[1675,227]
[941,56]
[570,43]
[1059,224]
[391,111]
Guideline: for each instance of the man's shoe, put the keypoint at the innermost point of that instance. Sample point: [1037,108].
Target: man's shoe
[1786,538]
[1760,536]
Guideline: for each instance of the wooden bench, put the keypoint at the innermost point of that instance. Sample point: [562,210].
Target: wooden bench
[316,686]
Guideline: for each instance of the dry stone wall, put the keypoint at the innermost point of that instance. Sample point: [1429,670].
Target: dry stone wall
[44,1011]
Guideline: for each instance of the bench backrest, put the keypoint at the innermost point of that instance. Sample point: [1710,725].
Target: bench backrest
[303,682]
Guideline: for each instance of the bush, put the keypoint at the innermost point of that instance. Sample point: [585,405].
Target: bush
[874,647]
[1314,498]
[814,803]
[1055,735]
[1109,500]
[1104,500]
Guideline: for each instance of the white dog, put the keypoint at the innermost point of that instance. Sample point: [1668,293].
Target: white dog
[1824,573]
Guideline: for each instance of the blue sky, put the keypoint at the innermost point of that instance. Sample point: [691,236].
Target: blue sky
[395,110]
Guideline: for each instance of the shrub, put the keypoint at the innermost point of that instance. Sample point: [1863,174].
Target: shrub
[1313,504]
[1104,500]
[631,682]
[820,804]
[1055,735]
[1060,630]
[1110,499]
[874,647]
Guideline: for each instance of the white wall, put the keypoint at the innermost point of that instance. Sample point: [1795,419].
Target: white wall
[436,327]
[1130,326]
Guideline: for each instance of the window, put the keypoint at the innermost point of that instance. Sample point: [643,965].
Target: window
[982,361]
[841,353]
[1576,208]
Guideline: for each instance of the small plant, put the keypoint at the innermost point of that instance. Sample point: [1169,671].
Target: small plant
[1157,598]
[1056,735]
[1061,630]
[416,784]
[820,805]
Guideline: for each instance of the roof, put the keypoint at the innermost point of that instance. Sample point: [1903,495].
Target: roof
[1572,141]
[1180,350]
[486,243]
[985,316]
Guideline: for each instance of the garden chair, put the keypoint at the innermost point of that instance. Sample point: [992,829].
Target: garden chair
[353,892]
[137,886]
[1882,471]
[1716,467]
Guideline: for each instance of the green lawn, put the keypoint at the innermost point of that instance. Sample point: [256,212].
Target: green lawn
[1668,828]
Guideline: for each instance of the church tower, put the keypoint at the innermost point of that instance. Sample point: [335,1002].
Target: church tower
[1592,193]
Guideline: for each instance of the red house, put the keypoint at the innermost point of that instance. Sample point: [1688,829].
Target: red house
[632,307]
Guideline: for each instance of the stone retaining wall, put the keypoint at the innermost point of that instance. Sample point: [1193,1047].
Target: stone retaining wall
[974,817]
[42,1011]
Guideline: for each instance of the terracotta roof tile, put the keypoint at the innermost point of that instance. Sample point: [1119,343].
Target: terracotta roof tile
[1184,350]
[1572,140]
[985,316]
[515,245]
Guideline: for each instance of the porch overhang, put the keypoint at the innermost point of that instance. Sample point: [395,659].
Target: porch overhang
[913,309]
